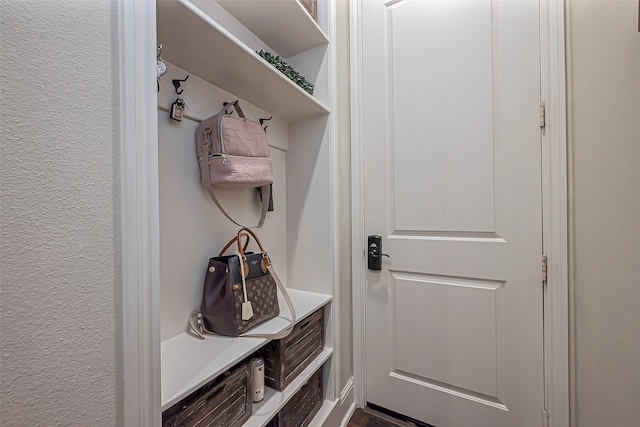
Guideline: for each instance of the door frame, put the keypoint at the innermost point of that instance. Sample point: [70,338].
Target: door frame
[555,214]
[138,396]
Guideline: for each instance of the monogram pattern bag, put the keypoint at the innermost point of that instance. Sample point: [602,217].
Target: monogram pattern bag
[240,292]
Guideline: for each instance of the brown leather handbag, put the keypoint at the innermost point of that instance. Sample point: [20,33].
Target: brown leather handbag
[240,292]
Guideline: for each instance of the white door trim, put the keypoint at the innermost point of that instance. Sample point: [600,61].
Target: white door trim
[334,185]
[555,220]
[555,211]
[139,399]
[358,255]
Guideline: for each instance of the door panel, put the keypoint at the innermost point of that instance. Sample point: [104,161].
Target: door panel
[429,113]
[470,315]
[452,183]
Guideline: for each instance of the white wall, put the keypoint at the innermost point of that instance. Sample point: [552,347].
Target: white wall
[604,119]
[59,290]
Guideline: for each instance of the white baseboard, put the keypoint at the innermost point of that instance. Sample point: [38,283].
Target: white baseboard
[339,412]
[347,404]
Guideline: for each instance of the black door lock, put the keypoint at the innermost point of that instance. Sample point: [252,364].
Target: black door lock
[374,248]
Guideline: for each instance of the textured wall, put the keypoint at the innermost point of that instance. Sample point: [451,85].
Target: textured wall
[58,284]
[604,84]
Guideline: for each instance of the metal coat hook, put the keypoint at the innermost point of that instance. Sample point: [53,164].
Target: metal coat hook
[224,104]
[176,84]
[265,120]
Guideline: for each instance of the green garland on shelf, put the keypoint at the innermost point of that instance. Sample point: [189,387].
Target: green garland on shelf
[287,70]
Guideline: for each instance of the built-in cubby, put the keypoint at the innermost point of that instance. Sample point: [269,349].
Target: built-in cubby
[214,43]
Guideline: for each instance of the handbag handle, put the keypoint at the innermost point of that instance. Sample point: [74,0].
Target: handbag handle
[244,269]
[246,232]
[232,241]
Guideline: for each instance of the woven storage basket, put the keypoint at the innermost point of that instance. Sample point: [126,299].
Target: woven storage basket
[284,359]
[224,402]
[312,8]
[303,406]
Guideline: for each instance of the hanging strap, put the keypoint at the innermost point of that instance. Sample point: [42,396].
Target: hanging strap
[266,189]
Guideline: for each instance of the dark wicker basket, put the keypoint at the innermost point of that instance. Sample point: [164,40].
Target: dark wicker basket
[284,359]
[225,402]
[312,7]
[303,406]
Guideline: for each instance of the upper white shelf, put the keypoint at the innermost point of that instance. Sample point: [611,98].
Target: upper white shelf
[188,363]
[282,24]
[195,42]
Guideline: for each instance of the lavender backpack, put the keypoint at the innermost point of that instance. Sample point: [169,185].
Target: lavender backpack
[233,152]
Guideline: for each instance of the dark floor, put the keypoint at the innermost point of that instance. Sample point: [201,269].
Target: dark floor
[368,417]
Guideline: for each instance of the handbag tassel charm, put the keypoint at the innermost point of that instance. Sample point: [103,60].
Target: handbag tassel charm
[247,308]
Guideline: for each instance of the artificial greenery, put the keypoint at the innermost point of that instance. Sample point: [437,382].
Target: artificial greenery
[287,70]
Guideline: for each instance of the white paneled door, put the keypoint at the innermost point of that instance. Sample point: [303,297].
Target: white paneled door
[454,320]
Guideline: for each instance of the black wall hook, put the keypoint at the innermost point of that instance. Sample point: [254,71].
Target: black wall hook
[224,104]
[176,84]
[265,120]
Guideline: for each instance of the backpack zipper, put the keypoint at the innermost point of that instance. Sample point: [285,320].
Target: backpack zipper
[224,156]
[220,133]
[220,156]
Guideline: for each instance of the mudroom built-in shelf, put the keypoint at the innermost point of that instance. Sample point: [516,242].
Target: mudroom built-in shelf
[214,43]
[208,50]
[266,19]
[275,400]
[187,362]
